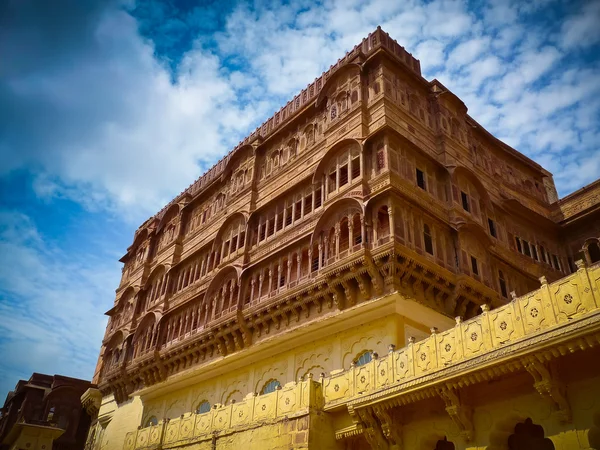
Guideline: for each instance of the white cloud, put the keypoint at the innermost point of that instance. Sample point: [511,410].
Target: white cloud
[43,292]
[583,29]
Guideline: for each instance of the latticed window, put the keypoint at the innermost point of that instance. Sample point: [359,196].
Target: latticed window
[270,386]
[363,358]
[203,407]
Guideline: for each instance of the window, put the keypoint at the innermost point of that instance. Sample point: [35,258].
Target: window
[534,252]
[263,229]
[298,211]
[556,263]
[465,201]
[421,179]
[492,227]
[594,251]
[332,181]
[344,175]
[380,159]
[307,204]
[271,227]
[203,407]
[288,216]
[363,358]
[427,239]
[152,421]
[318,198]
[526,249]
[543,254]
[355,165]
[474,267]
[502,282]
[270,386]
[518,242]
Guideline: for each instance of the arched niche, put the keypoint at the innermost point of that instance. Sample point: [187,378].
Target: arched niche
[591,250]
[466,186]
[223,291]
[347,70]
[146,334]
[231,237]
[342,152]
[335,235]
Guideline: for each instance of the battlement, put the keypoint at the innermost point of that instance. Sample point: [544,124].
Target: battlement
[373,42]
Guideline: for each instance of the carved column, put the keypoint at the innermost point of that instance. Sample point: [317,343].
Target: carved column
[299,262]
[391,219]
[337,239]
[350,233]
[270,281]
[252,283]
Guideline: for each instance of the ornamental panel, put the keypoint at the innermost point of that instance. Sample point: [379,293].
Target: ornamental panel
[186,429]
[502,323]
[401,364]
[424,356]
[203,423]
[265,406]
[241,413]
[533,313]
[383,371]
[337,386]
[172,431]
[130,441]
[287,401]
[363,376]
[447,347]
[472,337]
[567,300]
[222,418]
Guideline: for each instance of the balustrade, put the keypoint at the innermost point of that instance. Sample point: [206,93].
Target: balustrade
[553,305]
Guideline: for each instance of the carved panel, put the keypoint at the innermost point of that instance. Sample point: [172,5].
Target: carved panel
[472,337]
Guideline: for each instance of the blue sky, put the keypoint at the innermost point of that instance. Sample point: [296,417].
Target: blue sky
[110,108]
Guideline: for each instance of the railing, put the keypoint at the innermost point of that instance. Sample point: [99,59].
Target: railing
[294,398]
[551,306]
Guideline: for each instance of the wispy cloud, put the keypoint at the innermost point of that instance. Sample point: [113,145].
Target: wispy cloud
[51,303]
[119,106]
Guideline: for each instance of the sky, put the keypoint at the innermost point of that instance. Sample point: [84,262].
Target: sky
[108,109]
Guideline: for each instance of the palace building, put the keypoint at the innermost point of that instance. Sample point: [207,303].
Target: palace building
[369,269]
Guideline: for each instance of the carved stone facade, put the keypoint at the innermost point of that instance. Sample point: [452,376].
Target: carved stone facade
[261,303]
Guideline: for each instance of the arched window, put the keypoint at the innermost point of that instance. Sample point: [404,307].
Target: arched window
[383,222]
[152,421]
[594,252]
[270,386]
[427,239]
[363,358]
[529,436]
[203,407]
[344,235]
[502,282]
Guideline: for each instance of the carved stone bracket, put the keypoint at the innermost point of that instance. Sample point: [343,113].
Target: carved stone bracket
[390,428]
[548,384]
[460,414]
[372,431]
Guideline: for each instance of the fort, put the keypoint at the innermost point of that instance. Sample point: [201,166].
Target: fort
[370,268]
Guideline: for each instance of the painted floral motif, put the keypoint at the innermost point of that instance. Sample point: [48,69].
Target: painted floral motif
[448,347]
[473,337]
[534,312]
[568,299]
[503,325]
[423,356]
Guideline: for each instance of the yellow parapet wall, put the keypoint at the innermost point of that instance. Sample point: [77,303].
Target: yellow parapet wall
[558,311]
[293,402]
